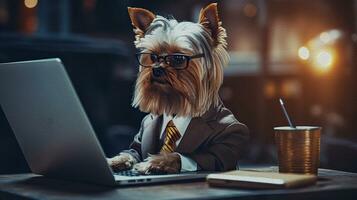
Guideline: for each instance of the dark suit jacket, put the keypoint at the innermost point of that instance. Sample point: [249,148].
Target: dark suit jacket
[214,140]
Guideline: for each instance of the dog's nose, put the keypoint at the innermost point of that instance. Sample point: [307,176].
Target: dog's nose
[158,71]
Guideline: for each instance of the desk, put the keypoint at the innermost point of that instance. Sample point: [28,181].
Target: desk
[332,184]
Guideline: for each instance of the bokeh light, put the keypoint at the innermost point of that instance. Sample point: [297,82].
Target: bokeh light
[323,60]
[304,53]
[250,10]
[325,37]
[30,3]
[270,90]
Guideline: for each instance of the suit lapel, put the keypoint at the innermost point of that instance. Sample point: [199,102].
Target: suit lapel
[199,129]
[196,132]
[150,137]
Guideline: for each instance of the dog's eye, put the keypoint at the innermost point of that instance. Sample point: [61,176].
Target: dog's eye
[177,61]
[153,58]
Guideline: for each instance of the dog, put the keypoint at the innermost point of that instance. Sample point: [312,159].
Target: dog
[180,73]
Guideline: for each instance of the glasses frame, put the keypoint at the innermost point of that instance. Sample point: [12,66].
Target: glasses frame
[164,58]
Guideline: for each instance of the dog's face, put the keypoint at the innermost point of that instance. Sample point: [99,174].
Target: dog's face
[181,64]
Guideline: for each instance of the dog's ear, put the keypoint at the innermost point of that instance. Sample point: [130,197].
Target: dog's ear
[209,19]
[140,19]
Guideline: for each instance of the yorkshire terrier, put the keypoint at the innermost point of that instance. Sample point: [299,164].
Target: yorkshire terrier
[180,74]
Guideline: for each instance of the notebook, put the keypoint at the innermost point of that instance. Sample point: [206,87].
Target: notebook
[254,179]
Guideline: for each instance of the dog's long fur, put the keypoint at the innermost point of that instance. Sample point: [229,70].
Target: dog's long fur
[191,91]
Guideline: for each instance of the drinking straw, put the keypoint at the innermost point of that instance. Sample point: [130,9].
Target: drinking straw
[286,113]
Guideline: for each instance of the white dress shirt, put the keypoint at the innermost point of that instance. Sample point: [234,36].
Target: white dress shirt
[181,123]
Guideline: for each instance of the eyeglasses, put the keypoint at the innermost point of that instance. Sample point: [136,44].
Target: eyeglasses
[177,61]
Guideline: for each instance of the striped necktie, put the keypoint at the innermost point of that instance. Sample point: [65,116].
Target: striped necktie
[172,135]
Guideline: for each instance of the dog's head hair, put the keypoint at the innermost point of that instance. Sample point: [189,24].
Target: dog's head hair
[191,91]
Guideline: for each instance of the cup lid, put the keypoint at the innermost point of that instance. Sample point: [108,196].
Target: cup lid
[297,128]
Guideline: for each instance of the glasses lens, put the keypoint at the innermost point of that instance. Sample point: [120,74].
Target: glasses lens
[154,58]
[177,61]
[147,59]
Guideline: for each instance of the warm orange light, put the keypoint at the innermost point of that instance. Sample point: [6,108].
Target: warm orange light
[304,53]
[323,60]
[290,88]
[329,37]
[30,3]
[270,89]
[325,37]
[250,10]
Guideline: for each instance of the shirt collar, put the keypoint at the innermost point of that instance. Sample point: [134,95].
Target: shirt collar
[181,123]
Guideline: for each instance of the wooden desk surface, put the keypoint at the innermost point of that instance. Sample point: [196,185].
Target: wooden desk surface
[332,184]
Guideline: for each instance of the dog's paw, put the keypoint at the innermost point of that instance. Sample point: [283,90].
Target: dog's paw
[166,163]
[160,164]
[143,167]
[121,162]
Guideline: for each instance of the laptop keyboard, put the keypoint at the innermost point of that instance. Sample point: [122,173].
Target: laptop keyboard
[128,173]
[134,173]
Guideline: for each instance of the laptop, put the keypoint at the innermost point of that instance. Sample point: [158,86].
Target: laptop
[53,130]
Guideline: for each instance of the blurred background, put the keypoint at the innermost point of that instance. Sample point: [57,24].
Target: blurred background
[301,50]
